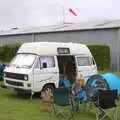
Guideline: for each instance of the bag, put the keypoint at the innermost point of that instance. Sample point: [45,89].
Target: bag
[81,95]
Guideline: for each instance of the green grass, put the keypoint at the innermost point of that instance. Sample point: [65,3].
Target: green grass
[13,107]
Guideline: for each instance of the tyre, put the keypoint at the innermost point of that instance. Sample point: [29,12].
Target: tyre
[48,88]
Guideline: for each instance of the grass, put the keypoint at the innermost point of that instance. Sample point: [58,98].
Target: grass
[13,107]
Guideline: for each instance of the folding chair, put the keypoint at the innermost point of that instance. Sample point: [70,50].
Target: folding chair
[62,103]
[104,103]
[90,91]
[90,97]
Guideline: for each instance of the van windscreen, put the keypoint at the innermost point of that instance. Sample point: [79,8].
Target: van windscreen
[23,60]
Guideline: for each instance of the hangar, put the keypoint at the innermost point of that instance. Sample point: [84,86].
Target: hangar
[101,32]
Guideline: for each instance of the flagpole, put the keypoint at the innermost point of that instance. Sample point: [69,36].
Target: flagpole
[63,15]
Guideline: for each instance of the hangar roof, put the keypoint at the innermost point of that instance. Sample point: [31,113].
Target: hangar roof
[64,27]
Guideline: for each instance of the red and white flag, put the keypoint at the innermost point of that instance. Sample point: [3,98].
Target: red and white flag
[72,12]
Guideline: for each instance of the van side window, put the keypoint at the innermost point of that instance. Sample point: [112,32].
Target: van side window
[90,60]
[47,62]
[84,61]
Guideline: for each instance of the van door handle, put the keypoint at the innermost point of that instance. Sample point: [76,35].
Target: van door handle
[54,72]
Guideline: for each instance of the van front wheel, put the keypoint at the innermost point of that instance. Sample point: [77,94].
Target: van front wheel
[48,88]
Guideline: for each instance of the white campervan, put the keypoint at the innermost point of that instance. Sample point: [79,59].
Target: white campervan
[39,66]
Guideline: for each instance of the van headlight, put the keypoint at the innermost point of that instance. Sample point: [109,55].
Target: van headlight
[26,77]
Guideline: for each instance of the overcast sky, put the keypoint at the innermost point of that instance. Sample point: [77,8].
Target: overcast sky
[32,13]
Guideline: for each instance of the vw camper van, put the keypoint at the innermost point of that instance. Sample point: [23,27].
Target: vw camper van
[38,66]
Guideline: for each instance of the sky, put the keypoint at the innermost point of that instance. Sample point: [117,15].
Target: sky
[35,13]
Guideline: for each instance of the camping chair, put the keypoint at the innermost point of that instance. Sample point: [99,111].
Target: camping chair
[104,103]
[62,103]
[90,91]
[90,97]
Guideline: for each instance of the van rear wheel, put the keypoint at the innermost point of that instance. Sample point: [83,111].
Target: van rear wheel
[48,88]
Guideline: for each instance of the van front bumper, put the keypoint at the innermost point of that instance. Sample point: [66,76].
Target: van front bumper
[27,91]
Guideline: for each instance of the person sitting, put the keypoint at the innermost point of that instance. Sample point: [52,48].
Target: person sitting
[100,84]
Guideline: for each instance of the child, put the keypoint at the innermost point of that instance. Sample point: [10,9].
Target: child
[77,86]
[78,94]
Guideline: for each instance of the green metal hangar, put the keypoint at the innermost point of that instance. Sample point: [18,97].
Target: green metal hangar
[105,32]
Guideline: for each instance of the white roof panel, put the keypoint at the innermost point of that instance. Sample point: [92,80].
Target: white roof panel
[50,48]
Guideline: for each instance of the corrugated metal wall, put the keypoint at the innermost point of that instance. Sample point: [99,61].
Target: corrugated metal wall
[110,37]
[106,36]
[9,39]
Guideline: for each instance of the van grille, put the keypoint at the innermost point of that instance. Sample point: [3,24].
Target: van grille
[14,83]
[14,75]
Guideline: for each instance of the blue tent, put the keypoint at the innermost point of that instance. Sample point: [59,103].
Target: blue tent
[91,81]
[113,81]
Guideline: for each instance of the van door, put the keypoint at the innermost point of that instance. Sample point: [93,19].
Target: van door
[85,66]
[47,73]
